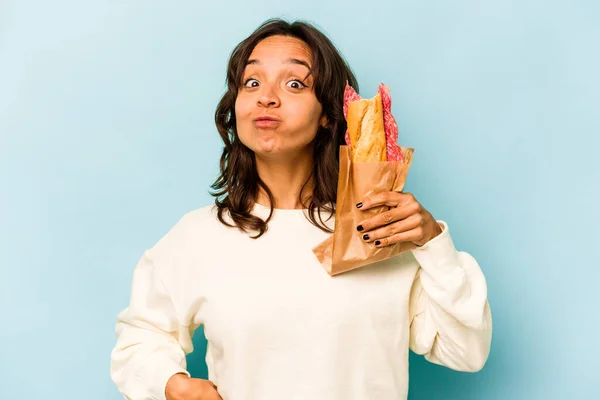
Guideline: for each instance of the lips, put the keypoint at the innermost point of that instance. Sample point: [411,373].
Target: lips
[266,122]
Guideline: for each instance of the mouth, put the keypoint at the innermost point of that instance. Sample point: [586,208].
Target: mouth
[266,122]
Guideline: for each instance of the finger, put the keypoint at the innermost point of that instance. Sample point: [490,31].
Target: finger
[390,199]
[404,225]
[413,235]
[390,216]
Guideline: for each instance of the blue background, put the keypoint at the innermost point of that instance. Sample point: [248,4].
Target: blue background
[107,139]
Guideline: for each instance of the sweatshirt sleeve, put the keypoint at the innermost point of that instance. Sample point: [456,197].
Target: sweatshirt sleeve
[451,322]
[151,341]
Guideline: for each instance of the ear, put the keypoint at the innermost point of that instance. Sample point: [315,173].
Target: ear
[323,122]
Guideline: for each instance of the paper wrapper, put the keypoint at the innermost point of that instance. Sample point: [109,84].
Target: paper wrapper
[345,249]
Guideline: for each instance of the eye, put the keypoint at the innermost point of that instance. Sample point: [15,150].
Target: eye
[296,84]
[250,83]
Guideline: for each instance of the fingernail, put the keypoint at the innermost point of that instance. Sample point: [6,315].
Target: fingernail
[360,228]
[377,242]
[359,205]
[366,236]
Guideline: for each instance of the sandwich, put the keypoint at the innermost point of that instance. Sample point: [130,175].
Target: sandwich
[372,130]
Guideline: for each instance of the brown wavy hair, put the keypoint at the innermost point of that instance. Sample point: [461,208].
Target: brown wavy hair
[236,188]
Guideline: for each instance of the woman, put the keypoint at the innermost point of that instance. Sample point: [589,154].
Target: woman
[278,327]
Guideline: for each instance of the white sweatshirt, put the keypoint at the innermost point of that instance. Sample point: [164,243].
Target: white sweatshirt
[279,327]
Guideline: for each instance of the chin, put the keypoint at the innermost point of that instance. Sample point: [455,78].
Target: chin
[263,148]
[261,145]
[271,153]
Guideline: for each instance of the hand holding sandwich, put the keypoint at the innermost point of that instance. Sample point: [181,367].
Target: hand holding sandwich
[372,136]
[406,221]
[373,171]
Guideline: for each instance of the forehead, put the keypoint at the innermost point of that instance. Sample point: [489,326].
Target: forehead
[281,48]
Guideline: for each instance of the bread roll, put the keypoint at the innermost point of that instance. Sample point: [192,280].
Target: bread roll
[366,130]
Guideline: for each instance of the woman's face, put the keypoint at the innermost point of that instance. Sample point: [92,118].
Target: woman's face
[276,109]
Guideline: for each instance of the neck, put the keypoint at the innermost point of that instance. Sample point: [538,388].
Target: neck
[285,179]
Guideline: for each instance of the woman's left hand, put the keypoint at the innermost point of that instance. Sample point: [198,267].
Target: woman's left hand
[406,221]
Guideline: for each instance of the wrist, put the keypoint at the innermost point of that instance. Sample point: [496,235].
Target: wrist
[435,230]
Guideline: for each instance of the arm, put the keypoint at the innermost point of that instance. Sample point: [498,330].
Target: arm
[151,341]
[451,321]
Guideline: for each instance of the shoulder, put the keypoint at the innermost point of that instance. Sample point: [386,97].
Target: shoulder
[187,233]
[195,220]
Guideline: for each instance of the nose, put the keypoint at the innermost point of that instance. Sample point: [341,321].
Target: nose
[268,97]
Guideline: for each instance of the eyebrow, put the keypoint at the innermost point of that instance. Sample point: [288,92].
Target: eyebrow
[294,61]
